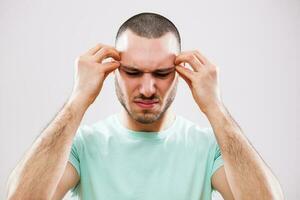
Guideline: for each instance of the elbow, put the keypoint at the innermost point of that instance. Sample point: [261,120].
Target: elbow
[13,196]
[17,192]
[275,196]
[10,189]
[22,196]
[278,195]
[275,193]
[272,188]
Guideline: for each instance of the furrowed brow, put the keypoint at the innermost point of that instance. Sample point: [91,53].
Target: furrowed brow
[131,68]
[168,69]
[162,70]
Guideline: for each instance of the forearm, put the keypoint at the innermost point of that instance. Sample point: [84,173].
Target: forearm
[38,173]
[249,177]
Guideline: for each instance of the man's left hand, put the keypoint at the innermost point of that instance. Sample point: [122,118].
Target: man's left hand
[203,79]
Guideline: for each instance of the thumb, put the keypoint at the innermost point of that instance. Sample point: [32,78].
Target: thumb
[110,66]
[185,73]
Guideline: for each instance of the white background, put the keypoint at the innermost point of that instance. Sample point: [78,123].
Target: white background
[255,44]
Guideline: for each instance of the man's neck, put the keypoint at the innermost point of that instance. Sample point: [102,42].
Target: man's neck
[163,123]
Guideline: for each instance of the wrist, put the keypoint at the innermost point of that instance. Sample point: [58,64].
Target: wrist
[214,108]
[78,102]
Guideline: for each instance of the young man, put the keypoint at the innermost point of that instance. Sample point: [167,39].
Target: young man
[145,151]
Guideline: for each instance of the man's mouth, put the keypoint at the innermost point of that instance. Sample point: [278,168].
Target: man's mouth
[146,103]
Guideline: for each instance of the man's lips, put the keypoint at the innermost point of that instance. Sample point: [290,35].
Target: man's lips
[146,103]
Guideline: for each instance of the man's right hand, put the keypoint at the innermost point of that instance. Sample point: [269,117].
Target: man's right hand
[42,159]
[90,72]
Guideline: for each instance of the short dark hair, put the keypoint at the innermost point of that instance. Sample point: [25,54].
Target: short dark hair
[149,25]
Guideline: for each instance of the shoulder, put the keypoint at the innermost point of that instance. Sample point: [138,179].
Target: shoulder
[91,133]
[192,130]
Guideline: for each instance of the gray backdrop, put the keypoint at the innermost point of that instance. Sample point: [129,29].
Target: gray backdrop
[255,44]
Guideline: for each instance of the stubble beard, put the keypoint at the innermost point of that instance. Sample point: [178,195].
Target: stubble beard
[145,116]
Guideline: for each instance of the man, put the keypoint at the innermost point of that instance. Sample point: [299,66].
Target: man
[145,151]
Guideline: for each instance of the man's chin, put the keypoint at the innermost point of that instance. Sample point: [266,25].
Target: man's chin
[145,117]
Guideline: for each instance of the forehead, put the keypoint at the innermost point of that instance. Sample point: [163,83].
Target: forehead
[147,52]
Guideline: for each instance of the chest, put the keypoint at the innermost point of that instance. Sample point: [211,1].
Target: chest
[141,170]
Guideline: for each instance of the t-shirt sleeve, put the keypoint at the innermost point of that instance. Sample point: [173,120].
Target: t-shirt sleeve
[218,160]
[74,157]
[217,156]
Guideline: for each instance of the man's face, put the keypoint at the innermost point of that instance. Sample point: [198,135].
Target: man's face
[146,81]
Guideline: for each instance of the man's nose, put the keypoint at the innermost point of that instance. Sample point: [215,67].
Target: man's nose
[147,87]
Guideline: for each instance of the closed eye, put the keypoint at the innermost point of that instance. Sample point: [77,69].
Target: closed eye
[133,73]
[161,75]
[158,74]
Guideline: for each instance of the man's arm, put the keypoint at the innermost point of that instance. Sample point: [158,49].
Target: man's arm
[247,174]
[38,174]
[69,180]
[220,183]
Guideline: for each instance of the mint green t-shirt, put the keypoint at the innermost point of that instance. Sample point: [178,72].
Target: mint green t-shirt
[116,163]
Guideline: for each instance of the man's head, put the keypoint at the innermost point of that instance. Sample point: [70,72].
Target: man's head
[146,81]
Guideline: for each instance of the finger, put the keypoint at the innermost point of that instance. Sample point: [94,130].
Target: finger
[93,50]
[184,74]
[201,57]
[188,81]
[106,52]
[110,66]
[189,58]
[184,71]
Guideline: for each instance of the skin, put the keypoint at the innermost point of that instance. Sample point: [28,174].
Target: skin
[44,171]
[244,170]
[147,72]
[244,174]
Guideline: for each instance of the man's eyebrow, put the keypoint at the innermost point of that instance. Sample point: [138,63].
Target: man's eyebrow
[132,68]
[129,67]
[167,69]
